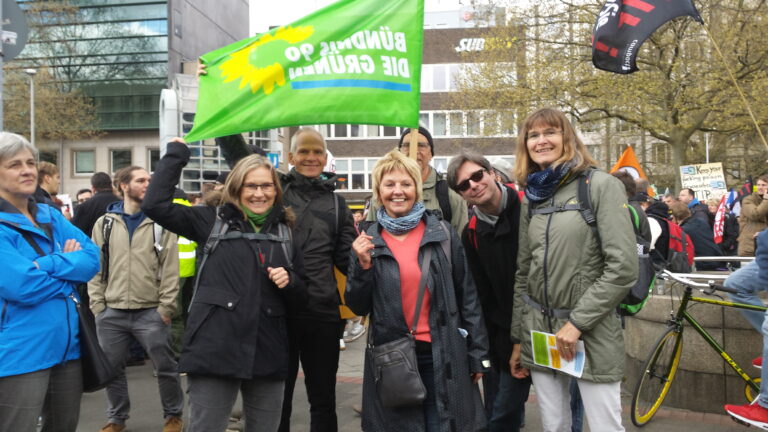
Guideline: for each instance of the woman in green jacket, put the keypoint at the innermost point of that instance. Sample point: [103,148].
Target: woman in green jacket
[571,276]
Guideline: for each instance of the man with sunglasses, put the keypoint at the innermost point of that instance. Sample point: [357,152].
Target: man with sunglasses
[437,195]
[490,242]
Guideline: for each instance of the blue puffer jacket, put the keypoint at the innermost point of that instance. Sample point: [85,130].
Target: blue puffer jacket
[761,255]
[38,321]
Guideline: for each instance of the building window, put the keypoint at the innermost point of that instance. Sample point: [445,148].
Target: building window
[457,123]
[119,159]
[83,161]
[153,156]
[49,156]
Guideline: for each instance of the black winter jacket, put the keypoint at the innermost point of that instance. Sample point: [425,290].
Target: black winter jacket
[324,216]
[454,305]
[237,319]
[660,212]
[492,258]
[92,209]
[703,242]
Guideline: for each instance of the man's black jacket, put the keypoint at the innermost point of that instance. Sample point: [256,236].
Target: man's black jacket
[493,263]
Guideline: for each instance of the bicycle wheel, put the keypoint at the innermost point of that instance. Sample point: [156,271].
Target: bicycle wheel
[658,373]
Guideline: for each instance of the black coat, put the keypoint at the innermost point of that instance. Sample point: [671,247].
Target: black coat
[660,212]
[237,319]
[493,263]
[325,217]
[703,242]
[453,305]
[93,208]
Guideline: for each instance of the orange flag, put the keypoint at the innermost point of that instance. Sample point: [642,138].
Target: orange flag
[628,162]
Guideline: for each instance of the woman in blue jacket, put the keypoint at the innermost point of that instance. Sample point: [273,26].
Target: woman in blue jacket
[39,349]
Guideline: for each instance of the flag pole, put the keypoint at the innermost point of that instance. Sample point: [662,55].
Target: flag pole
[414,146]
[738,88]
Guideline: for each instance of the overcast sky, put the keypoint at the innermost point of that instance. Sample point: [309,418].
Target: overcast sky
[283,12]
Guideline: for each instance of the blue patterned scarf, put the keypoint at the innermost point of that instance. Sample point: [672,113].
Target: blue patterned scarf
[542,184]
[402,224]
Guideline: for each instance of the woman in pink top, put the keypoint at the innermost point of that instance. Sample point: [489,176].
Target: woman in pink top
[383,281]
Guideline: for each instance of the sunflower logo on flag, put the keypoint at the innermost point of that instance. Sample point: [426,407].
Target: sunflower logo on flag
[244,63]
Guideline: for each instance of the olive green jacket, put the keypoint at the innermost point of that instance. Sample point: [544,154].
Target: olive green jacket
[562,263]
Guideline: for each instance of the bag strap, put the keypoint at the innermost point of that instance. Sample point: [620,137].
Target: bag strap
[443,199]
[422,286]
[106,231]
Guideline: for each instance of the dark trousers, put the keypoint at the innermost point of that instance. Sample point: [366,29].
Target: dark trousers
[505,398]
[316,344]
[52,393]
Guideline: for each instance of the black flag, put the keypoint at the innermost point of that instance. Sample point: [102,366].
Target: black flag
[623,25]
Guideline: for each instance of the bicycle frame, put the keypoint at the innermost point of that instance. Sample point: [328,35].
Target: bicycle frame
[682,314]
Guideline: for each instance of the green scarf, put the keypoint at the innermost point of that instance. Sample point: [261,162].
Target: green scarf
[256,220]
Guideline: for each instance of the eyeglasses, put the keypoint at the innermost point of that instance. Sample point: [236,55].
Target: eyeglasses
[549,133]
[475,177]
[253,187]
[405,147]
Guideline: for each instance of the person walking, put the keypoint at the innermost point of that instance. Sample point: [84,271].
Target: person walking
[43,257]
[134,294]
[571,276]
[384,279]
[248,279]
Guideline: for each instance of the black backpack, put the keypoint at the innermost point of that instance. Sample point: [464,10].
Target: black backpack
[646,278]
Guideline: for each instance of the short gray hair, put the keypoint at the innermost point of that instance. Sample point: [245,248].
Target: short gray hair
[306,129]
[458,161]
[11,144]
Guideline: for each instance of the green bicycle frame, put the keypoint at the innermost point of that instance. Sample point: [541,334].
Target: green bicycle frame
[682,314]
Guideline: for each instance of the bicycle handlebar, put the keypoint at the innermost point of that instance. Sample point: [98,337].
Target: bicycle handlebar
[685,279]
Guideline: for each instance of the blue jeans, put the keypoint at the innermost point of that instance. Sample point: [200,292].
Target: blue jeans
[53,393]
[577,408]
[746,281]
[508,403]
[427,372]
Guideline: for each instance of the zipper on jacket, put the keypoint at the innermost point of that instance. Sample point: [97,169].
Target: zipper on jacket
[69,326]
[546,274]
[2,315]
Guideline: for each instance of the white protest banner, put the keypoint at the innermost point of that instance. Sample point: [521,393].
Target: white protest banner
[707,180]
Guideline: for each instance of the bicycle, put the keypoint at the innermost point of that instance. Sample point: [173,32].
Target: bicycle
[660,368]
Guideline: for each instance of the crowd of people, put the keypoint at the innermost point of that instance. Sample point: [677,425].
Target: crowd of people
[466,267]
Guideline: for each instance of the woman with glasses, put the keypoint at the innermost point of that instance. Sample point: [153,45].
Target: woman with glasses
[384,280]
[571,276]
[249,275]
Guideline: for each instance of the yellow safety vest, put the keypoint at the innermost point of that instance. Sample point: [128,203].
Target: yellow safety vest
[187,249]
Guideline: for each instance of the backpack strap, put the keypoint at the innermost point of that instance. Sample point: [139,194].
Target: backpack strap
[106,231]
[634,217]
[157,235]
[446,244]
[441,190]
[287,244]
[584,195]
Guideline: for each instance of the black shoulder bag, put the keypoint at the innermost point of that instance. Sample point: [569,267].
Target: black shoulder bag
[395,369]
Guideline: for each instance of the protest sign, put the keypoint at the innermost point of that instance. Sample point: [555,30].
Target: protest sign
[707,180]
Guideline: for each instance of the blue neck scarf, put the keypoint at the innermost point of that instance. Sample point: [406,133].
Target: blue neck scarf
[402,224]
[542,184]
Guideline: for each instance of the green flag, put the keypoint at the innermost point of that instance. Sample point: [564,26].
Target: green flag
[355,61]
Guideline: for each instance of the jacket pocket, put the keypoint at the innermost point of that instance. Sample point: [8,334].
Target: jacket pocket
[205,304]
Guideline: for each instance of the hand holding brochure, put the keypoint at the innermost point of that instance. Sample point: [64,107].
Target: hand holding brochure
[545,353]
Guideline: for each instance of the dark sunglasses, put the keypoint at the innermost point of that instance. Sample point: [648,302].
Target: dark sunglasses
[475,177]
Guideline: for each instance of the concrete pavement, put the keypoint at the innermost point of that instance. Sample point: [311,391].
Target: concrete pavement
[146,412]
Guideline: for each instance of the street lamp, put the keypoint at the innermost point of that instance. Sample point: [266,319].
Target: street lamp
[31,73]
